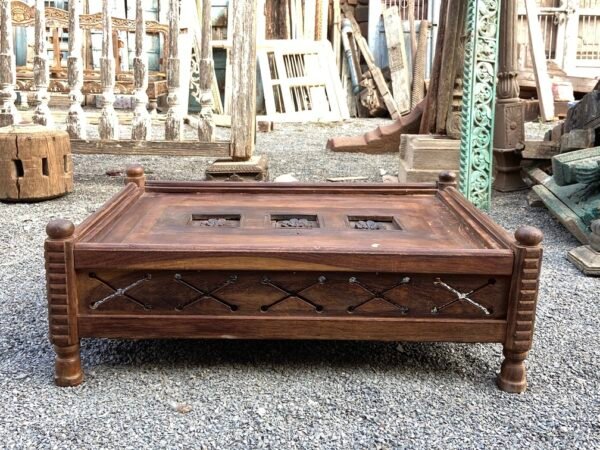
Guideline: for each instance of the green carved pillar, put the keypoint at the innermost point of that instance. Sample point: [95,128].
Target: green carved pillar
[479,97]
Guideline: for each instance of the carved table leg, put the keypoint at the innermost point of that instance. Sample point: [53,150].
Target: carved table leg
[68,366]
[521,315]
[62,302]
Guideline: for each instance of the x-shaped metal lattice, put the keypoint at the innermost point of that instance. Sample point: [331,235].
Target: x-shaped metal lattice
[378,294]
[210,294]
[120,292]
[288,293]
[462,296]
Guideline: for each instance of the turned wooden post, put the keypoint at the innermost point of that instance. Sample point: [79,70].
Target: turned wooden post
[41,72]
[509,132]
[135,174]
[521,313]
[108,125]
[174,119]
[62,302]
[206,124]
[8,70]
[141,127]
[243,116]
[76,120]
[446,179]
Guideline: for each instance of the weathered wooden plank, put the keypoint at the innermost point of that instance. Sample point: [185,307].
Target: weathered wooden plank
[108,127]
[156,148]
[174,120]
[419,66]
[243,55]
[538,57]
[141,127]
[206,123]
[394,36]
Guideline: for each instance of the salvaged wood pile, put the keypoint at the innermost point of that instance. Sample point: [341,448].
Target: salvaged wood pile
[35,163]
[572,193]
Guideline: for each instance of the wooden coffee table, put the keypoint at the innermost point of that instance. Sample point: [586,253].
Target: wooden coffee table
[291,261]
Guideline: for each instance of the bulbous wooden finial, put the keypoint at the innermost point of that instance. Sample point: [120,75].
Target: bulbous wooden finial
[135,174]
[60,229]
[529,236]
[135,170]
[446,178]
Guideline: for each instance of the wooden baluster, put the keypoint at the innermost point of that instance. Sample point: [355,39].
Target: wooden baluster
[174,119]
[141,127]
[108,125]
[206,124]
[243,56]
[76,121]
[8,71]
[41,73]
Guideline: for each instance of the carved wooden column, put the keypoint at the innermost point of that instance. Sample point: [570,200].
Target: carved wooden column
[206,124]
[76,121]
[62,302]
[41,73]
[477,117]
[174,119]
[8,70]
[108,126]
[509,132]
[141,127]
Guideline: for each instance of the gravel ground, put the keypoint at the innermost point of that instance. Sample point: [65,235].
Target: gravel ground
[291,395]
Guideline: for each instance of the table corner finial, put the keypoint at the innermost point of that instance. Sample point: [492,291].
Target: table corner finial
[59,229]
[135,174]
[529,236]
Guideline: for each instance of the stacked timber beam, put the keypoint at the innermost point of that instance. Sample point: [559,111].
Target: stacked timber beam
[572,193]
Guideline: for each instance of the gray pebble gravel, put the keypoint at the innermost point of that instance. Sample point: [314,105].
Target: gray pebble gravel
[291,395]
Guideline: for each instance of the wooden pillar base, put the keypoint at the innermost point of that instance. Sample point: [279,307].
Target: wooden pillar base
[68,366]
[513,375]
[586,259]
[507,168]
[255,169]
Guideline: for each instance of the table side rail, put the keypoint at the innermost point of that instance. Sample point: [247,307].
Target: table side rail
[164,257]
[215,327]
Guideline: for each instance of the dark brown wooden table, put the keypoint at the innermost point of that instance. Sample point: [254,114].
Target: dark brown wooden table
[291,261]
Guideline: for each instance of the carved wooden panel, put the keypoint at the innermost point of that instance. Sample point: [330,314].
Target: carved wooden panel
[292,294]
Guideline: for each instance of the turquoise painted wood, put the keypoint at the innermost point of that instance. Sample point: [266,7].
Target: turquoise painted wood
[479,98]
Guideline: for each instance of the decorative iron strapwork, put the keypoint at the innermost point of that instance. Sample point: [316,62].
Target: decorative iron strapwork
[289,293]
[120,292]
[462,296]
[378,294]
[208,294]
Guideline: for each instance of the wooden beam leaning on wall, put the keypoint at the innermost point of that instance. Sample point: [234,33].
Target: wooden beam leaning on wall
[375,71]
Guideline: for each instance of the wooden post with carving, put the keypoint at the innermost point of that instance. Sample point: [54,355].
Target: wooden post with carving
[243,116]
[174,119]
[41,73]
[8,70]
[76,121]
[62,302]
[141,127]
[108,126]
[521,314]
[509,133]
[206,124]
